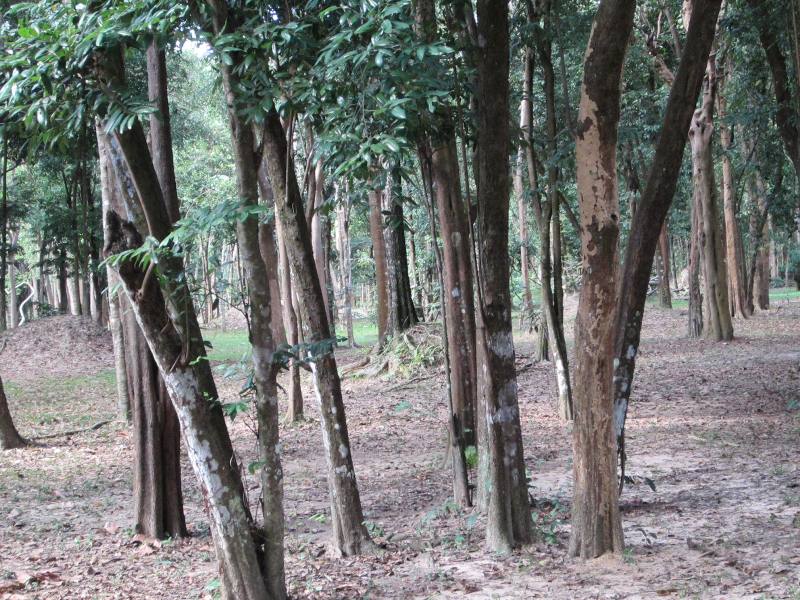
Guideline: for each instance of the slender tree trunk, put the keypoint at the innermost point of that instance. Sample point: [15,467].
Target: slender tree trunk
[379,256]
[350,533]
[734,252]
[13,304]
[343,249]
[9,436]
[4,237]
[508,519]
[759,292]
[665,294]
[653,208]
[695,322]
[457,444]
[596,523]
[439,161]
[404,315]
[294,393]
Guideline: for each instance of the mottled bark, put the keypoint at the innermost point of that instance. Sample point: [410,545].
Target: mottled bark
[714,271]
[169,324]
[596,523]
[350,533]
[508,522]
[246,164]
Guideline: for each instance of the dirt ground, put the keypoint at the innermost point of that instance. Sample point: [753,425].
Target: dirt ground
[715,427]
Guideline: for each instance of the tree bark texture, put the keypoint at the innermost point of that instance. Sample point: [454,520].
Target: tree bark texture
[596,523]
[508,520]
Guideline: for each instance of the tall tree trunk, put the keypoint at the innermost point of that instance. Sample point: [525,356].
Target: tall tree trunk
[403,311]
[269,253]
[549,217]
[13,304]
[716,281]
[734,251]
[4,236]
[294,394]
[379,257]
[318,236]
[350,533]
[759,287]
[9,436]
[169,324]
[596,523]
[439,159]
[261,341]
[653,208]
[508,522]
[695,322]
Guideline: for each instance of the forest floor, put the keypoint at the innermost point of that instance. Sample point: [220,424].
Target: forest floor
[715,427]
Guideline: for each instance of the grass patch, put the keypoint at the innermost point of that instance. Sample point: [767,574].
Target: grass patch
[231,346]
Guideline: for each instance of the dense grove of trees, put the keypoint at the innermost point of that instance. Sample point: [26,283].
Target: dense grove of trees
[304,165]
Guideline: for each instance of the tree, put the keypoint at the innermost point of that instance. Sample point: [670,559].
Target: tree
[508,522]
[596,523]
[9,436]
[653,207]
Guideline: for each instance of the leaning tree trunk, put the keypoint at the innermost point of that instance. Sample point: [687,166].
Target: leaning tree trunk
[508,522]
[596,523]
[169,324]
[653,208]
[350,532]
[9,436]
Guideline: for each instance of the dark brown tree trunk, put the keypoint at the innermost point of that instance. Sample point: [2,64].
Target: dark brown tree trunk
[508,520]
[654,206]
[269,254]
[404,315]
[596,523]
[695,322]
[169,324]
[9,436]
[157,476]
[785,116]
[350,533]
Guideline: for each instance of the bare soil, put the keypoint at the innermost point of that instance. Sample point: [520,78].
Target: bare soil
[714,427]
